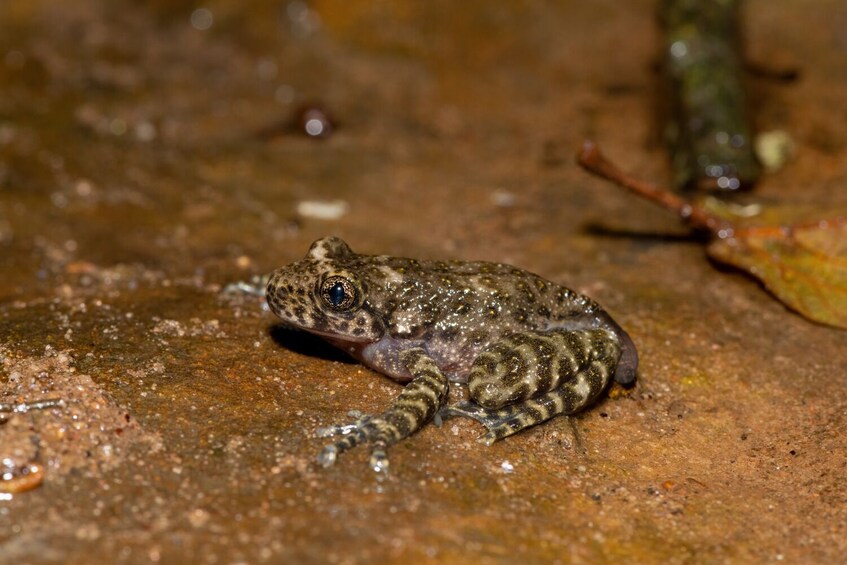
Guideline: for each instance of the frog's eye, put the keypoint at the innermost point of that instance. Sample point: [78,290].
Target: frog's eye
[339,293]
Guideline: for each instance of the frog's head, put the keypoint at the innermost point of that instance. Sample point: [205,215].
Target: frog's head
[326,293]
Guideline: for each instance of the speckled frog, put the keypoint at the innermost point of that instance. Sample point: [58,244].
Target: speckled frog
[527,348]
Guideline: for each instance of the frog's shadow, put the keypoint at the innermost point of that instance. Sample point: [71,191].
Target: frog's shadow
[307,344]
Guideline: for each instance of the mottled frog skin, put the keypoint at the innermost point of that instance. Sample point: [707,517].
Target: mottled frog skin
[527,348]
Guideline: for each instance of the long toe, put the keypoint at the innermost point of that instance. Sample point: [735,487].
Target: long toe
[328,455]
[491,419]
[379,460]
[464,408]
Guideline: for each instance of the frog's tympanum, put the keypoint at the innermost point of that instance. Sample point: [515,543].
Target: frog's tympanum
[527,348]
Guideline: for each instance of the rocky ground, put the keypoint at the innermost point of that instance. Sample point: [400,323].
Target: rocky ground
[152,156]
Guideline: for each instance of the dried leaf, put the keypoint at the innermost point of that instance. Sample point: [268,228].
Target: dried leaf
[805,266]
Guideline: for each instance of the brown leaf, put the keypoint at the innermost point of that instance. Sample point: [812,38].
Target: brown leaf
[805,266]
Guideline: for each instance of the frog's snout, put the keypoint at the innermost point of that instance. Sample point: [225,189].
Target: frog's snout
[277,295]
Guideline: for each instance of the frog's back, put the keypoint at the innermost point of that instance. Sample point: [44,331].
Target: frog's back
[455,309]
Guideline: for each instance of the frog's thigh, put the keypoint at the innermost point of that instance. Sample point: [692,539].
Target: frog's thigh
[528,378]
[522,365]
[567,399]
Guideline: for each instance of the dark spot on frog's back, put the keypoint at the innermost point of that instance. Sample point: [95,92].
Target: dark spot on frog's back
[449,334]
[477,337]
[461,307]
[525,291]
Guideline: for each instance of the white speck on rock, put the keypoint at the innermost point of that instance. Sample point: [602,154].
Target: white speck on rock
[322,209]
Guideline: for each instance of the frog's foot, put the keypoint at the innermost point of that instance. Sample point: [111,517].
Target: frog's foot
[503,422]
[352,435]
[500,422]
[372,429]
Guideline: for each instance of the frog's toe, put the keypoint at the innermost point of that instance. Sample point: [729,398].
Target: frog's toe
[498,431]
[345,429]
[502,425]
[327,456]
[339,430]
[351,438]
[488,438]
[378,461]
[467,409]
[486,417]
[501,422]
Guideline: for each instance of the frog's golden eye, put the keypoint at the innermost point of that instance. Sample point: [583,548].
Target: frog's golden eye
[339,293]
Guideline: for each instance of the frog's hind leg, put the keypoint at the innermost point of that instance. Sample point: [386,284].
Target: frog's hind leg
[503,422]
[530,377]
[419,402]
[352,435]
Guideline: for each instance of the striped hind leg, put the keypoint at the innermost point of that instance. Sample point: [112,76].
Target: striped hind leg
[419,402]
[530,377]
[512,418]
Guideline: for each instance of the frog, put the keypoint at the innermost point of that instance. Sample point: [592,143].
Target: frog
[525,349]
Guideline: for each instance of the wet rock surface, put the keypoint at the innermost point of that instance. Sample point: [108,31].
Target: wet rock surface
[153,155]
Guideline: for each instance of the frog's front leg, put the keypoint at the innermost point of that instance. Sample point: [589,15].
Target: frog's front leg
[527,378]
[419,402]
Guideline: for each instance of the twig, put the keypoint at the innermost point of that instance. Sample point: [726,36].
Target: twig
[592,160]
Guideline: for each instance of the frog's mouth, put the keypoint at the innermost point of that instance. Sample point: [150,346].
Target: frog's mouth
[342,341]
[336,339]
